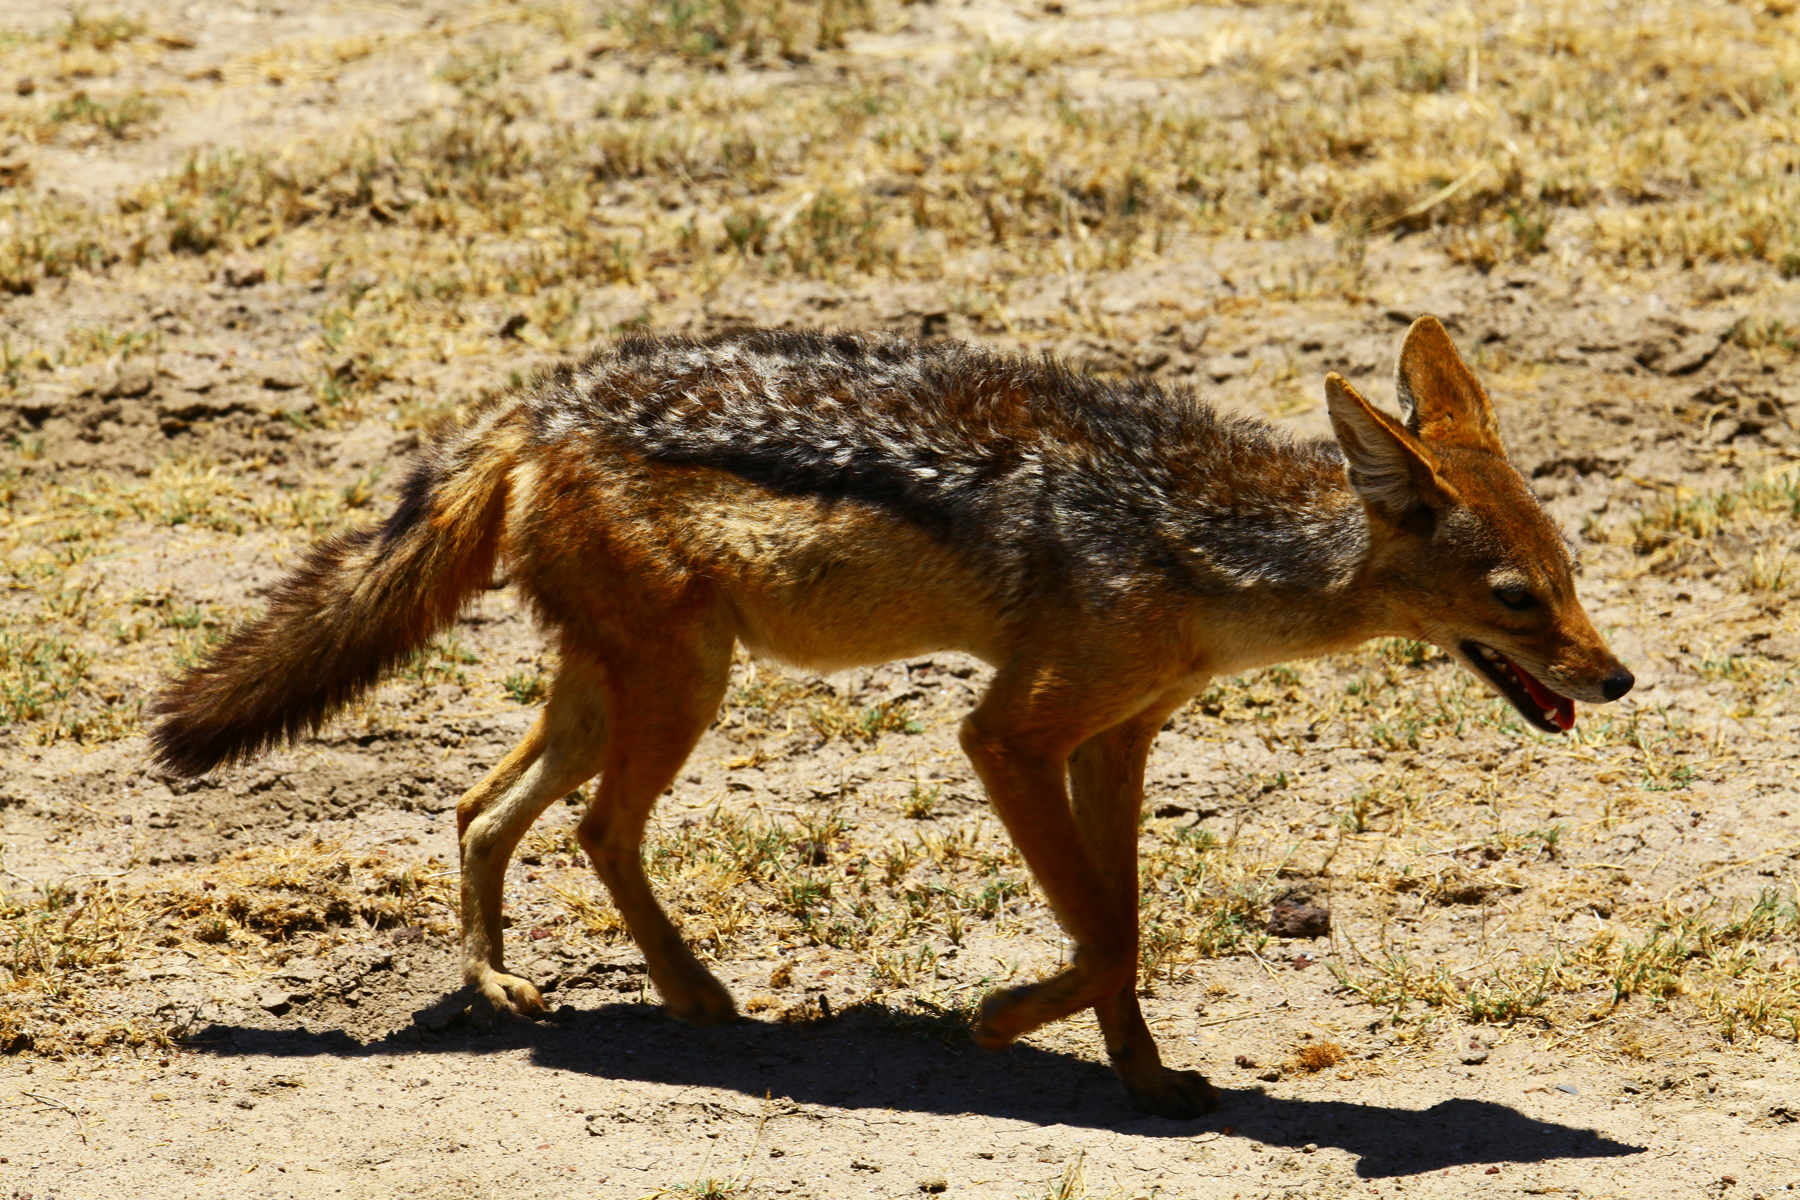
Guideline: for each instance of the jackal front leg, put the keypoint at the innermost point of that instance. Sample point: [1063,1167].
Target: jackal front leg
[1106,776]
[1025,776]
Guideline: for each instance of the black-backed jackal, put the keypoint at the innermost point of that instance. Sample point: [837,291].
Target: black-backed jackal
[849,499]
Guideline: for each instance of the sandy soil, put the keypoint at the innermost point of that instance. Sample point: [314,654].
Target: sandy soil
[267,1007]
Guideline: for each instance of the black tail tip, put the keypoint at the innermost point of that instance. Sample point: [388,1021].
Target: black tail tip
[178,751]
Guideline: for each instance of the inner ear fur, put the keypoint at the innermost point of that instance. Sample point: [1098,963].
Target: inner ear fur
[1393,471]
[1443,402]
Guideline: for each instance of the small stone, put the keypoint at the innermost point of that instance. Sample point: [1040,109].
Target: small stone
[132,382]
[242,273]
[934,1184]
[1310,1148]
[25,85]
[1569,1088]
[1272,1075]
[1476,1053]
[1288,919]
[15,169]
[1690,355]
[161,1097]
[246,1102]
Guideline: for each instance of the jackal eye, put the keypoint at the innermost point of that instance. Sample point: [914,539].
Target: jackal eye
[1515,598]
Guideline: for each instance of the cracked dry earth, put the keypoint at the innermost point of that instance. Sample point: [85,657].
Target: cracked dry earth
[1554,966]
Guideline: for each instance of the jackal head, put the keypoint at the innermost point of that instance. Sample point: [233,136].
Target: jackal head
[1462,555]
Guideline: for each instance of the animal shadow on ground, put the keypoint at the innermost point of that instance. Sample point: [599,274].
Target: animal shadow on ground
[866,1058]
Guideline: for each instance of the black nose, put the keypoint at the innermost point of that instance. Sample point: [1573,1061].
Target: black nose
[1617,684]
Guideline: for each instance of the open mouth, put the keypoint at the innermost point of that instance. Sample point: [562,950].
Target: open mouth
[1536,703]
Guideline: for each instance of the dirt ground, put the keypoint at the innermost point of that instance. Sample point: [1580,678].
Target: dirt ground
[250,252]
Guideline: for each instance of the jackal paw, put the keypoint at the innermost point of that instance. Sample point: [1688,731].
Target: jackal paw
[499,994]
[1178,1095]
[699,1001]
[1004,1017]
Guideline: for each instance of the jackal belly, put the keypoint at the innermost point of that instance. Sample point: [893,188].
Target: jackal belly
[829,586]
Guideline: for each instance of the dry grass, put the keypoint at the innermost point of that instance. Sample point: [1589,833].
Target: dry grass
[1313,1057]
[73,653]
[769,703]
[1734,971]
[65,943]
[269,895]
[1653,136]
[896,904]
[1748,530]
[60,929]
[714,31]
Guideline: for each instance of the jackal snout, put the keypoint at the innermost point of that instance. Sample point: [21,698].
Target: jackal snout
[1583,667]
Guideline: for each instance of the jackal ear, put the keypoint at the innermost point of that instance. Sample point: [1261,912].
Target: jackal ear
[1389,468]
[1440,397]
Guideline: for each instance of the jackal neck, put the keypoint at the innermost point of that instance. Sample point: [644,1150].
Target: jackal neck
[1279,546]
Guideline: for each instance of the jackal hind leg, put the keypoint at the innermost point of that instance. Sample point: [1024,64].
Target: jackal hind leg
[563,749]
[1106,776]
[1022,759]
[664,690]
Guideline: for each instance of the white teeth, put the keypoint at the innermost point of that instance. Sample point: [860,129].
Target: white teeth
[1489,654]
[1549,716]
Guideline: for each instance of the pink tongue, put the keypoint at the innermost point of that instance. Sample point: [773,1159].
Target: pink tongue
[1546,700]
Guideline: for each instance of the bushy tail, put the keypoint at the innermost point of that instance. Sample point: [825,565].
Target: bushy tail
[359,605]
